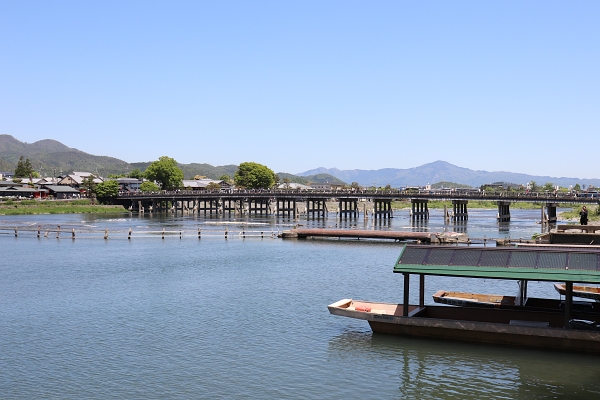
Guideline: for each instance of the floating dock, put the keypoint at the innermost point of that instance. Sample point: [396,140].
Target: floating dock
[422,237]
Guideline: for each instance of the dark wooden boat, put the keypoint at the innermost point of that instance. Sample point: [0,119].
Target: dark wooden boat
[586,292]
[465,299]
[537,323]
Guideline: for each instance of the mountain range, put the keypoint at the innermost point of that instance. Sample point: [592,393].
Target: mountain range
[52,157]
[441,171]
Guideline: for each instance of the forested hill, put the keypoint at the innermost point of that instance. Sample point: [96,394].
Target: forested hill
[50,157]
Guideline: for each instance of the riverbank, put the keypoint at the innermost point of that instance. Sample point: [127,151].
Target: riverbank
[30,207]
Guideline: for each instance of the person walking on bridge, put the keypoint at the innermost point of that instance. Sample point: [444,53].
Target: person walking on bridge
[583,220]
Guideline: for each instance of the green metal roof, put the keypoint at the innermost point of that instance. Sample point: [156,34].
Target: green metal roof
[501,263]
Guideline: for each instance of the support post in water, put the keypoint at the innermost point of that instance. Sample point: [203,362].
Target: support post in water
[38,232]
[73,233]
[163,233]
[16,233]
[179,234]
[129,234]
[106,233]
[198,233]
[58,232]
[225,233]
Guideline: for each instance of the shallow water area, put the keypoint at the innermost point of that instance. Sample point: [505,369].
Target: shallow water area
[243,317]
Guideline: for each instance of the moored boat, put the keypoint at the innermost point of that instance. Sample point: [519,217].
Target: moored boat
[465,299]
[586,292]
[563,327]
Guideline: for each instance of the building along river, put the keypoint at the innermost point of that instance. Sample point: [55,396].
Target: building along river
[242,317]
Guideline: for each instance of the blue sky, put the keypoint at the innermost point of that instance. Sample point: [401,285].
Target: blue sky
[487,85]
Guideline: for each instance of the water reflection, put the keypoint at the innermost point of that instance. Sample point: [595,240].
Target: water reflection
[428,369]
[460,226]
[503,226]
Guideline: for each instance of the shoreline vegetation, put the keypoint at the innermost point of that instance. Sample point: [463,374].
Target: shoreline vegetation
[31,207]
[85,206]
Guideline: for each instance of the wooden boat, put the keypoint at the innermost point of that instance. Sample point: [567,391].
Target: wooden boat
[561,327]
[587,292]
[465,299]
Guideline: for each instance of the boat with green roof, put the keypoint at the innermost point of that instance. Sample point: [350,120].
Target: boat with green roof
[547,323]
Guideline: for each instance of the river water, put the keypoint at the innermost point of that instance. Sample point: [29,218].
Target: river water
[242,317]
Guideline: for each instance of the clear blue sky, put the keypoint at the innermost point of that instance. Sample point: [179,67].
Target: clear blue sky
[489,85]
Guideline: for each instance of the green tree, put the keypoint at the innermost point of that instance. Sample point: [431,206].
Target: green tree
[254,176]
[108,188]
[166,172]
[89,185]
[148,186]
[213,186]
[136,174]
[225,178]
[534,186]
[577,187]
[549,186]
[24,168]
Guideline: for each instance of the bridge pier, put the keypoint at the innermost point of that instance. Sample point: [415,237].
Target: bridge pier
[348,208]
[228,206]
[503,211]
[258,206]
[208,206]
[286,207]
[419,209]
[383,208]
[316,207]
[549,217]
[459,210]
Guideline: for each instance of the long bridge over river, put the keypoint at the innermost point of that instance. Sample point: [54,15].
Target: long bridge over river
[286,202]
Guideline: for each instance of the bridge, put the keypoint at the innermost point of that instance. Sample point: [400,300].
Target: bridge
[283,202]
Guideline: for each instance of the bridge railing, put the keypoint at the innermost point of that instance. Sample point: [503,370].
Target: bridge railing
[387,194]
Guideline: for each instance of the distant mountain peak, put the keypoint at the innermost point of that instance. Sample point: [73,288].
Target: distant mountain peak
[437,171]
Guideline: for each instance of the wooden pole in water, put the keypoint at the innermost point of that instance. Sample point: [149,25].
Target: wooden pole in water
[16,233]
[129,234]
[73,233]
[58,232]
[38,231]
[163,233]
[180,234]
[198,233]
[106,233]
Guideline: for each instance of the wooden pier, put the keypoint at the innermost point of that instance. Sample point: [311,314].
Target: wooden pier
[423,237]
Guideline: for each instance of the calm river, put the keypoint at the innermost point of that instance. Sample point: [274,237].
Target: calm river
[236,318]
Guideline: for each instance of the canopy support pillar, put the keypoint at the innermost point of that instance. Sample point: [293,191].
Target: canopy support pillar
[406,291]
[421,290]
[568,302]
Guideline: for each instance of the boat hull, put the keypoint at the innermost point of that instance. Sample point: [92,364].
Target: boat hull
[534,329]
